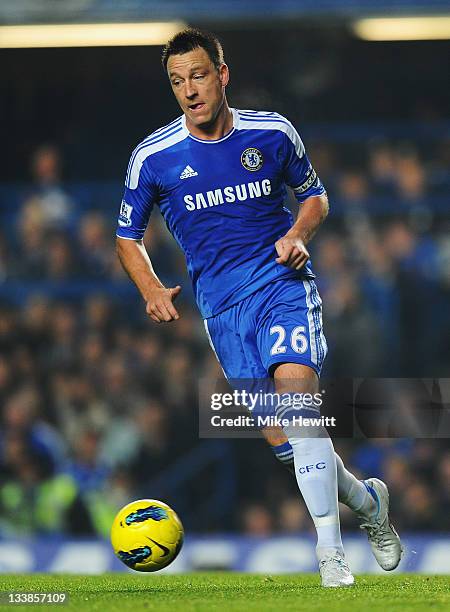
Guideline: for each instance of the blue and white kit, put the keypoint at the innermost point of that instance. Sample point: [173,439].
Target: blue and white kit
[224,203]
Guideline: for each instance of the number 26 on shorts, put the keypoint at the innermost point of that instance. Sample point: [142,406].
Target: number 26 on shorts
[299,342]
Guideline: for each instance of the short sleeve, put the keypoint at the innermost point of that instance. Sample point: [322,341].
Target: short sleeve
[137,204]
[298,171]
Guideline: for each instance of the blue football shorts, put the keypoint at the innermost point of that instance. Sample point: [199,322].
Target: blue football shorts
[279,323]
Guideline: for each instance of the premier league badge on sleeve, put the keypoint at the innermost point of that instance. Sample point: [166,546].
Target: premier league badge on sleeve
[125,214]
[252,159]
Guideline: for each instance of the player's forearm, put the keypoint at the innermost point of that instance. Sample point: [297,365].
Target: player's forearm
[136,263]
[311,214]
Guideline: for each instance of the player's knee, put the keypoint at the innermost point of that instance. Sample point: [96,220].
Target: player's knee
[295,378]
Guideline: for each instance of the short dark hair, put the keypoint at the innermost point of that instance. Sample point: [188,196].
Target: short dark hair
[191,39]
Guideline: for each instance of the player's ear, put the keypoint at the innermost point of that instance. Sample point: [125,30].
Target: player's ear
[224,75]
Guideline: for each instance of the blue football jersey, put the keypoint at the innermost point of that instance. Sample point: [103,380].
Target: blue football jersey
[222,200]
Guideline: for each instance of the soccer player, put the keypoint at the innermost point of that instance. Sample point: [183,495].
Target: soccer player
[219,177]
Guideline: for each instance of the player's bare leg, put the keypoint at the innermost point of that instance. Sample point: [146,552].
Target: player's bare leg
[315,471]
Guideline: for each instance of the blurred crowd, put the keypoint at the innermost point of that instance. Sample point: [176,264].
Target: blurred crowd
[99,405]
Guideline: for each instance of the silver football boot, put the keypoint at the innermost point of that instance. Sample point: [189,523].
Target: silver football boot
[383,538]
[334,570]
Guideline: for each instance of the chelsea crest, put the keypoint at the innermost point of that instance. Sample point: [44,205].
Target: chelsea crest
[252,159]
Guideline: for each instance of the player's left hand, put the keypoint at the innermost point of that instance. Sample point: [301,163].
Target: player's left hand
[292,252]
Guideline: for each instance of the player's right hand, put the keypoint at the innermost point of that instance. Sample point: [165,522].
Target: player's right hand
[160,304]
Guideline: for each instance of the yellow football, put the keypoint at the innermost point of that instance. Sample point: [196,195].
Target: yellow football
[147,535]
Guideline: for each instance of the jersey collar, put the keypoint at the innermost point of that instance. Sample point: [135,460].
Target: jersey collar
[204,141]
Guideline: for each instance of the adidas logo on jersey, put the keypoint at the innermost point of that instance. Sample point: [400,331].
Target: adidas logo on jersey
[188,172]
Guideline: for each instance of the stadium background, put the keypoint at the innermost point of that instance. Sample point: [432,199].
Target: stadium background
[98,405]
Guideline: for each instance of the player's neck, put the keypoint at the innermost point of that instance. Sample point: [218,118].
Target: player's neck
[221,125]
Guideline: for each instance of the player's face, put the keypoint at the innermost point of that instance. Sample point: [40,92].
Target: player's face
[198,85]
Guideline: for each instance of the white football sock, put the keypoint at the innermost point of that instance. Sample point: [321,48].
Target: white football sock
[315,470]
[353,493]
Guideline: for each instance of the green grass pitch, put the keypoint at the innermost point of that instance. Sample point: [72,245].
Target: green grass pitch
[229,592]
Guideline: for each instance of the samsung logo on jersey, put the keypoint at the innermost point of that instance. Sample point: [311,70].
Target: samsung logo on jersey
[238,193]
